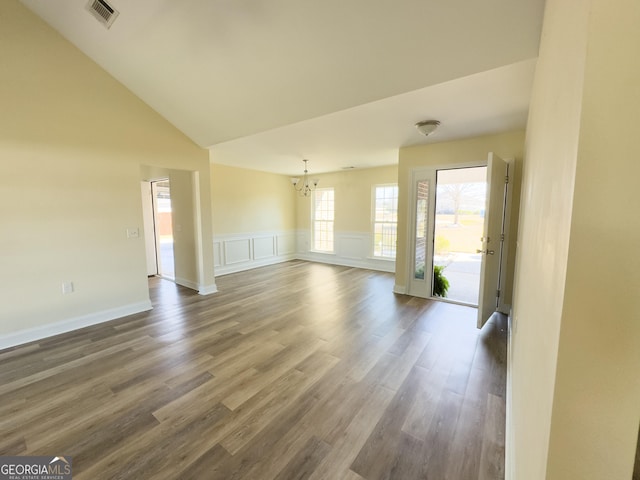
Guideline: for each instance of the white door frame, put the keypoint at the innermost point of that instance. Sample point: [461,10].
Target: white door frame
[421,287]
[149,228]
[413,288]
[161,269]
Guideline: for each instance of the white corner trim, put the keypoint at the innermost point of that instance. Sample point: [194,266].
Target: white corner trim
[186,283]
[201,289]
[207,289]
[38,333]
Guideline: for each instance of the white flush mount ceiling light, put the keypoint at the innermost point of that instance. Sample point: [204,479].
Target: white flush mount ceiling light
[304,186]
[427,127]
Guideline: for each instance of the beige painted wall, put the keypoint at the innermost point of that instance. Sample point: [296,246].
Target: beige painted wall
[248,201]
[596,407]
[353,197]
[575,390]
[543,237]
[461,152]
[72,140]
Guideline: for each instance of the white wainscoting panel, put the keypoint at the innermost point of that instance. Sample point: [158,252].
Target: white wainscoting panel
[286,244]
[264,247]
[303,241]
[352,249]
[238,252]
[217,253]
[235,253]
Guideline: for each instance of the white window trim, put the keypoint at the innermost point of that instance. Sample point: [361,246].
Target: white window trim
[313,221]
[373,221]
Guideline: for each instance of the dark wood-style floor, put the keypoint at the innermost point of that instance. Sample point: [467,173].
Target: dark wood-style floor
[293,371]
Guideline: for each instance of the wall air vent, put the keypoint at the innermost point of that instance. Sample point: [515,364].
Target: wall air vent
[104,12]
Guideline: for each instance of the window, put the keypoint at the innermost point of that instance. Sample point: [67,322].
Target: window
[385,221]
[322,213]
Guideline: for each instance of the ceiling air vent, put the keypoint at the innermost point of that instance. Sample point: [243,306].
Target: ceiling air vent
[104,12]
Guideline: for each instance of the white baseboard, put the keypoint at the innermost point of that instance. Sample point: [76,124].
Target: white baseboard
[239,252]
[201,289]
[352,249]
[186,283]
[401,289]
[45,331]
[509,453]
[369,264]
[207,289]
[505,308]
[241,267]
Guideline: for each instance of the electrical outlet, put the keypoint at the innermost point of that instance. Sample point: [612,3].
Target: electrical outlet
[67,287]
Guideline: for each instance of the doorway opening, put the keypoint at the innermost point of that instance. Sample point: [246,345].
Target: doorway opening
[158,221]
[470,205]
[163,228]
[459,222]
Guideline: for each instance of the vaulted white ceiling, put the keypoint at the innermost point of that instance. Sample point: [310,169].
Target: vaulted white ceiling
[265,83]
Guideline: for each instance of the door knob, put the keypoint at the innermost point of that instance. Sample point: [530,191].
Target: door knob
[487,252]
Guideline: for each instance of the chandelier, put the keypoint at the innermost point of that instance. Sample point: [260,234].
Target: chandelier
[304,186]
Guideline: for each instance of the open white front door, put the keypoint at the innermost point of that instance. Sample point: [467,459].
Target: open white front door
[492,242]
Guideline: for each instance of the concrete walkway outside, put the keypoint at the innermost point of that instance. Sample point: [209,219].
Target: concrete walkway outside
[463,272]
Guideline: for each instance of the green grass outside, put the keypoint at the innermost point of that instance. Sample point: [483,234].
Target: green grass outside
[463,238]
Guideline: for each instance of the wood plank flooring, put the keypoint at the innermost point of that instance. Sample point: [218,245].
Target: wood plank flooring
[293,371]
